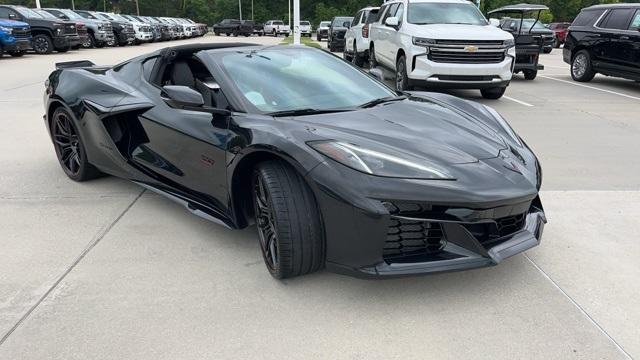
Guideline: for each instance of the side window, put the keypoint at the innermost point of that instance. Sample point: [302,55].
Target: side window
[4,13]
[635,22]
[381,13]
[617,19]
[356,19]
[586,18]
[390,12]
[400,13]
[147,67]
[372,16]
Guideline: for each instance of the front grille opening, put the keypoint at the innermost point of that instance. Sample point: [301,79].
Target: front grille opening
[491,234]
[456,57]
[412,241]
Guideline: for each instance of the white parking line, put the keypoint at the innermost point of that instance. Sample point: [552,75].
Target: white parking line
[591,87]
[518,101]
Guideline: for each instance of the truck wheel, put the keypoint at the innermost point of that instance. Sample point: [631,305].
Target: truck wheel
[42,44]
[235,33]
[274,33]
[556,44]
[358,60]
[288,221]
[216,33]
[402,80]
[63,49]
[15,53]
[318,38]
[90,42]
[373,63]
[493,93]
[530,74]
[581,69]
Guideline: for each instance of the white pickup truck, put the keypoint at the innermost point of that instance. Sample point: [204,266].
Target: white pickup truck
[441,43]
[276,27]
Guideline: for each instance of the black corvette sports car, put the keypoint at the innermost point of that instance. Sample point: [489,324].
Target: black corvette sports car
[335,169]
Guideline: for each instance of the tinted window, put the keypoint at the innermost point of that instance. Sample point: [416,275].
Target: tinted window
[4,13]
[444,13]
[587,17]
[617,19]
[147,67]
[339,21]
[372,16]
[277,23]
[400,12]
[635,22]
[279,79]
[356,19]
[390,12]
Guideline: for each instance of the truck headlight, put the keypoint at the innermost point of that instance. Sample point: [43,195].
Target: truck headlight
[8,30]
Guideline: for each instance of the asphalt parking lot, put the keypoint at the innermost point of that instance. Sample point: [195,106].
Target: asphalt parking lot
[105,270]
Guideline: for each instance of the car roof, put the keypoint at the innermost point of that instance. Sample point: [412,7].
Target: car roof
[613,6]
[520,8]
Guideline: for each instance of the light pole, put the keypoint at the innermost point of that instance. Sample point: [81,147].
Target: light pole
[252,18]
[289,12]
[296,22]
[38,4]
[137,8]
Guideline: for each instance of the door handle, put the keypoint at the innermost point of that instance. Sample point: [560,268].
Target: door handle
[624,37]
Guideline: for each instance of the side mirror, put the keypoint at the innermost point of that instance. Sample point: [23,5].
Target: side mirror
[347,24]
[392,21]
[377,73]
[13,17]
[494,22]
[181,96]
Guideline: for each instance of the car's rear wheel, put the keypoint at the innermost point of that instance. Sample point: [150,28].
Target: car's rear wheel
[373,63]
[70,150]
[493,93]
[530,74]
[548,50]
[581,69]
[42,44]
[358,60]
[402,80]
[17,53]
[288,222]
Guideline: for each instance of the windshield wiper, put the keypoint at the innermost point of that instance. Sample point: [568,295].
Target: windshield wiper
[305,111]
[383,100]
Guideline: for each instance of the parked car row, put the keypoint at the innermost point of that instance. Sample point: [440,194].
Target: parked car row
[236,27]
[51,29]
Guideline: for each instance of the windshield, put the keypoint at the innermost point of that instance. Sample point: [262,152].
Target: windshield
[339,21]
[45,14]
[325,24]
[70,14]
[119,18]
[28,13]
[278,23]
[279,80]
[305,23]
[88,15]
[444,13]
[104,16]
[527,23]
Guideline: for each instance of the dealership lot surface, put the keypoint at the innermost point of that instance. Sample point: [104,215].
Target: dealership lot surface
[105,270]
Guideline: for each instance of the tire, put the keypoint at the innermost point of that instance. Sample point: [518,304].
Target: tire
[493,93]
[357,60]
[556,44]
[530,74]
[345,54]
[70,149]
[90,43]
[402,80]
[15,53]
[288,222]
[331,47]
[318,38]
[581,69]
[216,33]
[547,50]
[373,63]
[42,44]
[274,33]
[235,33]
[64,49]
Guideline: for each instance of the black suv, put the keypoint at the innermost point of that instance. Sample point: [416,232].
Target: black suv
[604,39]
[48,35]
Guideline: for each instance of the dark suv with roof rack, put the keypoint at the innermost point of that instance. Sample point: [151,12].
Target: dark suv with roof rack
[605,39]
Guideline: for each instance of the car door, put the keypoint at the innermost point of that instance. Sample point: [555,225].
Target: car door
[395,41]
[352,32]
[614,28]
[383,44]
[186,148]
[631,44]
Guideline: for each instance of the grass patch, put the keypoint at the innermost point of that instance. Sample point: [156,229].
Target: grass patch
[303,40]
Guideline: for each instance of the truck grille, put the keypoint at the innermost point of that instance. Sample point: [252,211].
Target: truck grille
[82,29]
[464,57]
[107,27]
[21,33]
[70,29]
[128,28]
[145,29]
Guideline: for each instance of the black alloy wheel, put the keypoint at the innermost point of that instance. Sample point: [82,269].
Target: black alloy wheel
[19,53]
[42,44]
[356,59]
[402,80]
[69,148]
[530,74]
[288,222]
[373,63]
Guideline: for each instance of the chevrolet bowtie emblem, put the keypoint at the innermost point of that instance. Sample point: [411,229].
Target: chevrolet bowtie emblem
[470,48]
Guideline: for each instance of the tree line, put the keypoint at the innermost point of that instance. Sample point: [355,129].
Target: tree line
[212,11]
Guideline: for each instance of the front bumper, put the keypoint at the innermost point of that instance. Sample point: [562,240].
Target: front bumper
[424,71]
[19,45]
[140,36]
[103,36]
[394,227]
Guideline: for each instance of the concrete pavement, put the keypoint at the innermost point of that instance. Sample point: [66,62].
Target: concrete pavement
[103,270]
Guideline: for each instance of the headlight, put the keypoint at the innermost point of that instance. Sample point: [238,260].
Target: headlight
[8,30]
[503,123]
[418,41]
[509,43]
[386,163]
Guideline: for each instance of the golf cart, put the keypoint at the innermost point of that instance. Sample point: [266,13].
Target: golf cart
[528,45]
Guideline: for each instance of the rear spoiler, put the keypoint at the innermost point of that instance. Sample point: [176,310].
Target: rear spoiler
[74,64]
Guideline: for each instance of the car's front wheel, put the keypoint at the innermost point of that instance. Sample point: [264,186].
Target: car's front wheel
[373,63]
[70,149]
[493,93]
[358,60]
[402,80]
[288,221]
[530,74]
[42,44]
[581,69]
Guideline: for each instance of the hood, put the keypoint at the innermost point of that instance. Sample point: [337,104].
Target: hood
[459,32]
[13,23]
[418,127]
[45,22]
